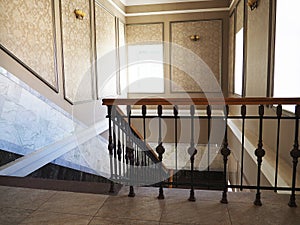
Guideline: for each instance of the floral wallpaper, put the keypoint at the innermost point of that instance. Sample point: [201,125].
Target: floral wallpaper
[240,16]
[105,31]
[77,55]
[258,46]
[27,32]
[208,48]
[144,32]
[106,52]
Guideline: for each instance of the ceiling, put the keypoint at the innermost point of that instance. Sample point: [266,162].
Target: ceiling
[147,2]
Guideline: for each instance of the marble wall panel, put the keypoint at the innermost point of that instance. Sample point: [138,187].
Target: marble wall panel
[27,119]
[29,122]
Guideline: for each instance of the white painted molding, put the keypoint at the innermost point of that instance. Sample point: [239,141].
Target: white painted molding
[167,12]
[151,2]
[232,4]
[176,12]
[115,6]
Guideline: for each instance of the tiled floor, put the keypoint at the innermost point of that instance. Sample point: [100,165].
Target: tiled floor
[32,206]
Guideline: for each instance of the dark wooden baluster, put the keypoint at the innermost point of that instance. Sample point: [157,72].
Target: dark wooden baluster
[149,169]
[123,146]
[295,154]
[279,114]
[110,148]
[127,158]
[130,151]
[160,151]
[119,149]
[136,150]
[243,113]
[259,153]
[114,116]
[127,149]
[131,160]
[137,161]
[175,112]
[192,152]
[137,153]
[208,112]
[225,151]
[143,163]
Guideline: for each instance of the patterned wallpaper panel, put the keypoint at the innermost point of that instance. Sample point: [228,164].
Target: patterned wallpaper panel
[27,32]
[257,50]
[105,31]
[76,36]
[106,52]
[208,48]
[144,32]
[240,16]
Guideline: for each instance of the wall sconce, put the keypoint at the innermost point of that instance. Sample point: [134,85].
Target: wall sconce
[253,4]
[195,37]
[79,14]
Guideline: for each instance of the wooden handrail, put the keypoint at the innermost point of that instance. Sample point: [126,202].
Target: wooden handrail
[202,101]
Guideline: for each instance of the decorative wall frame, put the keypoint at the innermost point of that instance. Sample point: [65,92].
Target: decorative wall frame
[28,61]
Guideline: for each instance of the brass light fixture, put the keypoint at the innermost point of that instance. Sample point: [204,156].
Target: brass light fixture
[79,14]
[253,4]
[195,37]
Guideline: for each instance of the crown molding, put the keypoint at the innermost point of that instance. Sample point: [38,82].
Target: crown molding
[153,2]
[176,12]
[168,12]
[232,4]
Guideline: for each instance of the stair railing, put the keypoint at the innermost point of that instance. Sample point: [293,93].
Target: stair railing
[134,143]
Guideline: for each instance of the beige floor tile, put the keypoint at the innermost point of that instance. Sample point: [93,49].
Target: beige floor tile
[50,218]
[173,193]
[199,212]
[200,195]
[74,203]
[31,206]
[24,198]
[140,191]
[267,197]
[243,197]
[3,188]
[118,221]
[272,214]
[270,197]
[11,216]
[166,223]
[146,208]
